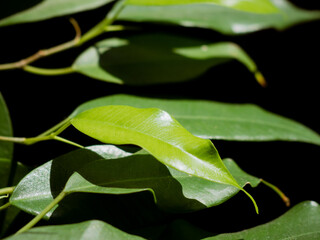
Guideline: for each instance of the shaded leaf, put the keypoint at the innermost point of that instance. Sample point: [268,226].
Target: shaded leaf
[86,171]
[6,148]
[302,222]
[40,186]
[223,19]
[257,6]
[214,120]
[158,133]
[86,230]
[15,11]
[156,58]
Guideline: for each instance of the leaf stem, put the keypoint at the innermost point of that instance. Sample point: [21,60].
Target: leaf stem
[284,198]
[5,206]
[7,190]
[252,199]
[67,141]
[56,128]
[47,71]
[37,218]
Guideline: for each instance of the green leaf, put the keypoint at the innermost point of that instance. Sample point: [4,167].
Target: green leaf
[256,6]
[86,170]
[6,148]
[302,222]
[214,120]
[156,58]
[158,133]
[85,230]
[15,11]
[20,172]
[223,19]
[36,190]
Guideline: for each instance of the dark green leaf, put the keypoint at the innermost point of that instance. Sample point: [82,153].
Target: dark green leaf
[300,223]
[6,148]
[40,186]
[214,120]
[86,170]
[223,19]
[80,231]
[16,11]
[156,58]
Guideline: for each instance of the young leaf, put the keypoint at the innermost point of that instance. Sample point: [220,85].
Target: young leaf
[158,133]
[301,222]
[255,6]
[156,58]
[214,120]
[85,230]
[220,18]
[15,12]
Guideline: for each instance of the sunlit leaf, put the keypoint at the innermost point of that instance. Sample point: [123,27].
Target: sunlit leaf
[215,120]
[223,19]
[256,6]
[16,11]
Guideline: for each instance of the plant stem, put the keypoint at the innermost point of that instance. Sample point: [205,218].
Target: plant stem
[37,218]
[103,25]
[7,190]
[56,128]
[45,52]
[285,199]
[5,206]
[48,72]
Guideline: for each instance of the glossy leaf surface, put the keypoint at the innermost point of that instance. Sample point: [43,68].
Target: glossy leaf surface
[86,170]
[156,58]
[15,11]
[215,120]
[300,223]
[223,19]
[158,133]
[79,231]
[256,6]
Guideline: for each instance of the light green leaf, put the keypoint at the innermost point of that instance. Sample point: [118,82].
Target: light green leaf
[15,11]
[223,19]
[302,222]
[215,120]
[86,171]
[156,58]
[256,6]
[6,148]
[158,133]
[79,231]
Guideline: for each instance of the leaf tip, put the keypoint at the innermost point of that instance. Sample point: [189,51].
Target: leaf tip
[260,79]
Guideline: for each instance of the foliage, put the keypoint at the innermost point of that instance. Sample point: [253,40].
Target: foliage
[157,160]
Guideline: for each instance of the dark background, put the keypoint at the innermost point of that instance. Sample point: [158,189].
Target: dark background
[289,61]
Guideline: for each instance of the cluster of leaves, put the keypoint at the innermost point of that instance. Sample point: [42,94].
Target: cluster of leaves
[168,163]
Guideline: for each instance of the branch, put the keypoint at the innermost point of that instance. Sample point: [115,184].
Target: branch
[46,52]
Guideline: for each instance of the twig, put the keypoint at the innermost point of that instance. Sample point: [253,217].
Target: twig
[46,52]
